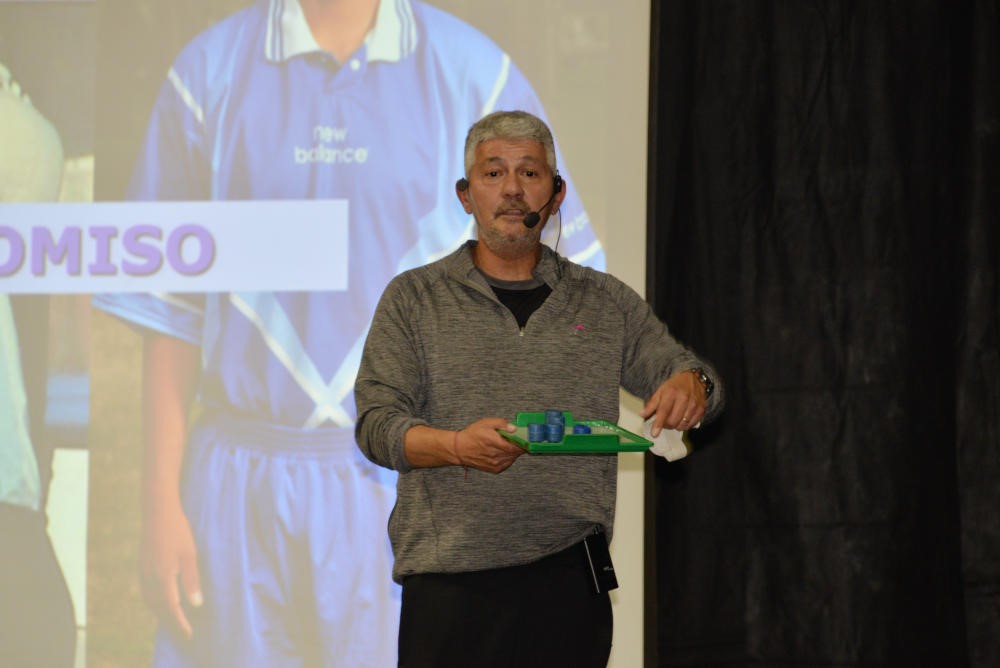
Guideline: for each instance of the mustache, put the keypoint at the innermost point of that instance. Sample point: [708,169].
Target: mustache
[511,206]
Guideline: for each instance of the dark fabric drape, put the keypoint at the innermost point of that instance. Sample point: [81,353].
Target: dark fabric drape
[823,227]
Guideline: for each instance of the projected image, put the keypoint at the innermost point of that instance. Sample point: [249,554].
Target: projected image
[173,419]
[262,536]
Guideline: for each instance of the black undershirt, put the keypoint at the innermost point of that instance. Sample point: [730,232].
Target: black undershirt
[522,298]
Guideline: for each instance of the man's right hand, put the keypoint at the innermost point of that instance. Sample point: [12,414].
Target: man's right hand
[481,447]
[169,569]
[477,446]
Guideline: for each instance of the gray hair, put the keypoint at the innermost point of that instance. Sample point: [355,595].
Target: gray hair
[509,125]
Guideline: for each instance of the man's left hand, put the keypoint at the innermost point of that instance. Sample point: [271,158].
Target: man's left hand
[679,403]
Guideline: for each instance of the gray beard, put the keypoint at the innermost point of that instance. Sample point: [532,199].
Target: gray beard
[509,248]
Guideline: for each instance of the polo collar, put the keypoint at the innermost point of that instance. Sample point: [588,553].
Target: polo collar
[548,270]
[392,38]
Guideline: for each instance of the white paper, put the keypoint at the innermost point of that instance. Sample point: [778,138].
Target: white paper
[671,444]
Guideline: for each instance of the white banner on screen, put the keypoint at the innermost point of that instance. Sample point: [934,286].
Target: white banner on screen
[174,246]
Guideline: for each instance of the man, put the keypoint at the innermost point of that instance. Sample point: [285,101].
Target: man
[37,624]
[273,552]
[487,541]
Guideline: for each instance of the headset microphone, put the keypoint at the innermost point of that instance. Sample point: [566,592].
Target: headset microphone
[533,218]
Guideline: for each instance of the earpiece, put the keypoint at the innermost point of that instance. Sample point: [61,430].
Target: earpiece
[535,217]
[462,183]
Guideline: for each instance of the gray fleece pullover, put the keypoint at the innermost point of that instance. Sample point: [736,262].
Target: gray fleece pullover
[444,352]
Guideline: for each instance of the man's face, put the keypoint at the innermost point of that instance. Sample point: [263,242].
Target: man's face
[509,179]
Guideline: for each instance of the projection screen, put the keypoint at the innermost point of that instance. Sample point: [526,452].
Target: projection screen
[103,199]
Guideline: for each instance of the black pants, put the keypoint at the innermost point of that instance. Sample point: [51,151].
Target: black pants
[37,626]
[543,614]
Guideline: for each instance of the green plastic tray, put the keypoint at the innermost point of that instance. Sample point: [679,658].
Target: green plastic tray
[604,437]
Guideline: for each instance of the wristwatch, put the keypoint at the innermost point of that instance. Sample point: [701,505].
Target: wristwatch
[705,380]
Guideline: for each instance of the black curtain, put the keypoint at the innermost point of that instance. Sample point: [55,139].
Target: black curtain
[823,217]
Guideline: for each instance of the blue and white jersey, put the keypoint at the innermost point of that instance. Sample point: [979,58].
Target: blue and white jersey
[254,109]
